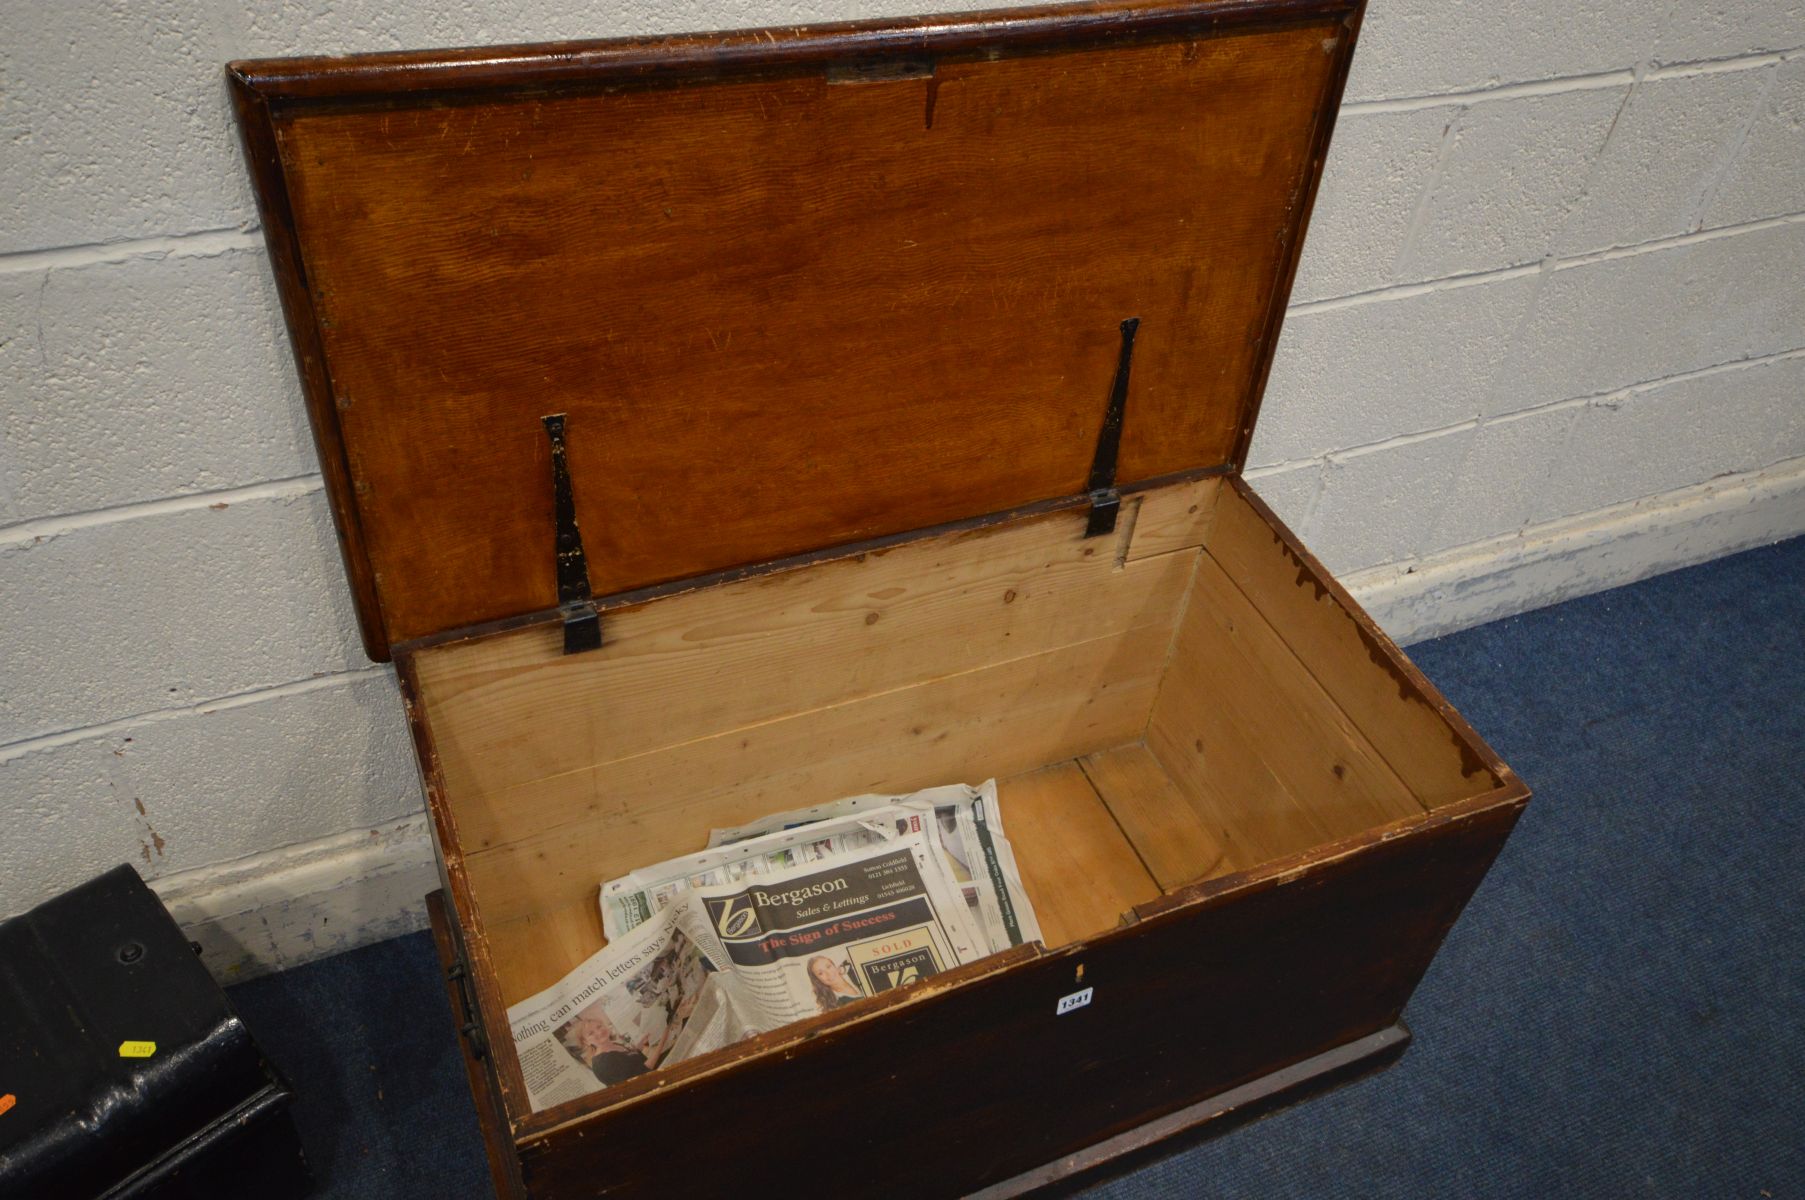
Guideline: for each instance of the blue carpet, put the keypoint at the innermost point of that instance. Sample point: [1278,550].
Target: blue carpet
[367,1041]
[1620,1012]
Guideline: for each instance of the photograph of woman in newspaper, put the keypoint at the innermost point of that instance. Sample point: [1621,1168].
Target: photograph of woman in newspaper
[832,987]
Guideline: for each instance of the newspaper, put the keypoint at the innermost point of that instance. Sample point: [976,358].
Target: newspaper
[795,915]
[636,896]
[811,939]
[652,998]
[968,834]
[969,831]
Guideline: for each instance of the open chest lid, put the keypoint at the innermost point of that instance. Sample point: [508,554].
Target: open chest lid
[790,290]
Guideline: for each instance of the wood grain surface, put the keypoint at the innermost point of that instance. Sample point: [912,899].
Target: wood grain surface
[608,819]
[790,311]
[1081,871]
[1408,721]
[498,1141]
[1237,704]
[1165,826]
[513,708]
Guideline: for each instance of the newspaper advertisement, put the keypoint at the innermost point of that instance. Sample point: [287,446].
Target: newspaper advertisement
[635,897]
[969,833]
[650,999]
[814,938]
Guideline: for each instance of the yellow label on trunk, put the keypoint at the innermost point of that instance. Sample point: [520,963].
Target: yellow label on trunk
[137,1049]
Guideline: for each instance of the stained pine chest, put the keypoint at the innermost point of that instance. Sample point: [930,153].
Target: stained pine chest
[716,425]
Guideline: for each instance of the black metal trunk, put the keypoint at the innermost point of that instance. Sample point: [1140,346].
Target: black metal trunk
[123,1069]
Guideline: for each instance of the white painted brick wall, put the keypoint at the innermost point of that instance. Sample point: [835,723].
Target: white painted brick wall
[1429,47]
[138,380]
[119,618]
[1554,267]
[1763,178]
[208,784]
[1631,443]
[1428,361]
[1673,139]
[1604,324]
[1376,504]
[1698,30]
[1290,491]
[1379,174]
[1507,465]
[1511,171]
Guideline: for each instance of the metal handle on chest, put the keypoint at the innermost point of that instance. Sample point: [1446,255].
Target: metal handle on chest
[468,1025]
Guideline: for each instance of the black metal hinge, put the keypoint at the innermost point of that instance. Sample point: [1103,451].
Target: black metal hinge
[1106,501]
[582,623]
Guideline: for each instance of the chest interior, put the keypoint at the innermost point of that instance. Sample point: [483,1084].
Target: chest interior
[1181,700]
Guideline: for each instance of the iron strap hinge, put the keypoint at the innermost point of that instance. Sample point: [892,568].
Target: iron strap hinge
[1106,501]
[582,622]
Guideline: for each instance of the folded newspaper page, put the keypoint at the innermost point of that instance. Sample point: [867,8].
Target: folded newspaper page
[971,839]
[650,999]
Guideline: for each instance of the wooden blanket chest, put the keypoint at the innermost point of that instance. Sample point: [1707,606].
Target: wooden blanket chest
[720,424]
